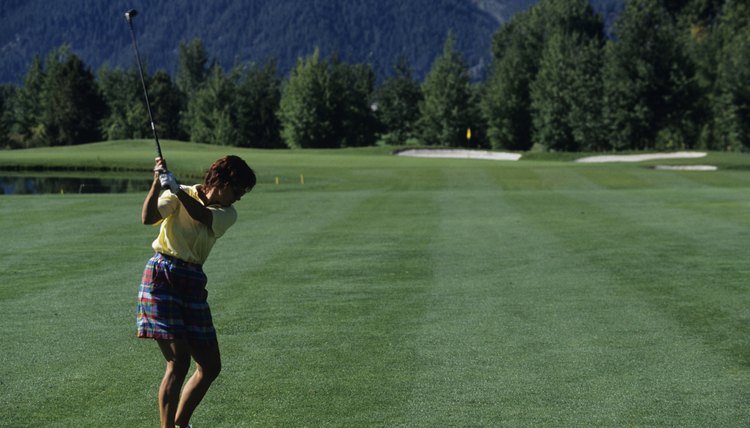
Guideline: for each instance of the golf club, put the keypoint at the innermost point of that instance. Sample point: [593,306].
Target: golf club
[129,17]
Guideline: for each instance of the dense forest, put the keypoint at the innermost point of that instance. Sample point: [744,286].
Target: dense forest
[665,75]
[373,32]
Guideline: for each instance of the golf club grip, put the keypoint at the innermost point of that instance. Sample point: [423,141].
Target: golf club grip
[153,128]
[158,146]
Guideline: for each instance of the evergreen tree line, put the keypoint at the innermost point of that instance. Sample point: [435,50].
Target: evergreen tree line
[674,75]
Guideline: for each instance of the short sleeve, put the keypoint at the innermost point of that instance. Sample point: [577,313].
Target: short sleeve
[167,204]
[222,219]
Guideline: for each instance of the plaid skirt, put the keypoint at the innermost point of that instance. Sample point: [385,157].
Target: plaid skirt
[172,301]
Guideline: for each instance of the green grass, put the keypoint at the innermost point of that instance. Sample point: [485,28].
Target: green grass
[390,291]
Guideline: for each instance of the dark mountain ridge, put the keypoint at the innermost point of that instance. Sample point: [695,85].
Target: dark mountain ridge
[233,31]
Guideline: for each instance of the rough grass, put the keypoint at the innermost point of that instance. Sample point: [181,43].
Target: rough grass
[397,292]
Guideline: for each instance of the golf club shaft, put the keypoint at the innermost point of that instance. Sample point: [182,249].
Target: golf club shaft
[129,16]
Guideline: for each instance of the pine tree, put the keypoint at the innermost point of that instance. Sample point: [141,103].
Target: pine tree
[27,129]
[305,110]
[349,92]
[446,112]
[7,96]
[566,94]
[516,49]
[396,104]
[731,98]
[550,99]
[211,114]
[586,94]
[259,96]
[507,104]
[126,112]
[167,103]
[193,68]
[72,106]
[650,93]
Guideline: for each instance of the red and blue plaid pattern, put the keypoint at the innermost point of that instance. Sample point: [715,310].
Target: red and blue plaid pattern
[172,301]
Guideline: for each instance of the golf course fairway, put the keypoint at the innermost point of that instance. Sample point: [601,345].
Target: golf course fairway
[358,288]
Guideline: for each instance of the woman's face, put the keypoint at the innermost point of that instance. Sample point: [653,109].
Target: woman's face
[226,195]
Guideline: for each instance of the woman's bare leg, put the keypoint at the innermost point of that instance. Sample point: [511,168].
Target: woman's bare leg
[177,355]
[208,366]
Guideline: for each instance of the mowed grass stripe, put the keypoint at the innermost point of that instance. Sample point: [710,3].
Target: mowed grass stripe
[55,231]
[674,245]
[657,304]
[328,318]
[498,332]
[69,310]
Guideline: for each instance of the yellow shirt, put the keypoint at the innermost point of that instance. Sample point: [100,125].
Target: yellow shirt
[184,238]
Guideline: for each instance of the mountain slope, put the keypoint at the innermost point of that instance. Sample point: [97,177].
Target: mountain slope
[374,32]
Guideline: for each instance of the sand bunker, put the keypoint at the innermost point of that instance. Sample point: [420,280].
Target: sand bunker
[686,167]
[640,158]
[483,154]
[459,154]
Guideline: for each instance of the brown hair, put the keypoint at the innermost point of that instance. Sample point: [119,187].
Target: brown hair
[230,171]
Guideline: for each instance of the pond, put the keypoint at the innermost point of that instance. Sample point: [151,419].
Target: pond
[41,184]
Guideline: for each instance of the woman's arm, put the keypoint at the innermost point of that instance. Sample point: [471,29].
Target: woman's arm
[196,210]
[150,211]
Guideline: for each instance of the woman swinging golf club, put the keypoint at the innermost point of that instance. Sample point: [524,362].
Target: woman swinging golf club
[172,299]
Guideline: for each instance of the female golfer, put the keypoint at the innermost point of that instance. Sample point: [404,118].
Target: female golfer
[172,306]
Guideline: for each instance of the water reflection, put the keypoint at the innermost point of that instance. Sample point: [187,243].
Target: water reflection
[29,185]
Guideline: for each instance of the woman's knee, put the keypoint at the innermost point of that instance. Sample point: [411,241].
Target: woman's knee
[177,355]
[178,366]
[211,370]
[208,360]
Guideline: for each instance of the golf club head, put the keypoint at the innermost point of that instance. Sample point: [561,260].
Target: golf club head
[130,14]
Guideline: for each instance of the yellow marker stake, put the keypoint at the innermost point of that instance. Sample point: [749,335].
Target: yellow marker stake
[301,179]
[277,181]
